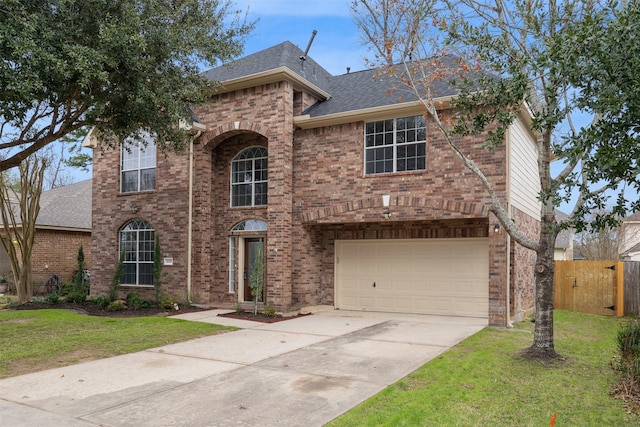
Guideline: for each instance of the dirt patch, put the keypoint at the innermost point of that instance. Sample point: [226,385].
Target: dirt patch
[27,366]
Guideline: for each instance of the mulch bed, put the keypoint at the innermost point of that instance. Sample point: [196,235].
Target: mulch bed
[92,309]
[260,317]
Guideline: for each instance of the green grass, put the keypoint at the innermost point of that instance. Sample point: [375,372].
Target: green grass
[33,340]
[484,382]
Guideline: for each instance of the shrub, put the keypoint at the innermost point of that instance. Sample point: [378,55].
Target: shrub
[157,271]
[100,301]
[117,305]
[135,301]
[270,311]
[53,298]
[168,302]
[76,296]
[628,342]
[628,363]
[66,288]
[114,286]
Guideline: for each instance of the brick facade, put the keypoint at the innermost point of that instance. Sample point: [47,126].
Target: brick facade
[54,252]
[317,193]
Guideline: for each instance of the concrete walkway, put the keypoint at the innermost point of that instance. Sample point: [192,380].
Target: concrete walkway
[304,371]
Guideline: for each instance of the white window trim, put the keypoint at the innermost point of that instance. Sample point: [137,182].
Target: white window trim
[394,147]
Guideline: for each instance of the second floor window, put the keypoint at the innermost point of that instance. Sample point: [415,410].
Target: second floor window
[395,145]
[249,177]
[138,166]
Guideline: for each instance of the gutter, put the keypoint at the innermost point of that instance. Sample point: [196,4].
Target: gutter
[508,293]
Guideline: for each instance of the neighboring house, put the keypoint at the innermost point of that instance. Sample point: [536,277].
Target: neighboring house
[63,225]
[630,245]
[564,242]
[355,197]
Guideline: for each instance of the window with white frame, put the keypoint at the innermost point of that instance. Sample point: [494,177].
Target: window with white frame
[395,145]
[138,165]
[249,174]
[138,244]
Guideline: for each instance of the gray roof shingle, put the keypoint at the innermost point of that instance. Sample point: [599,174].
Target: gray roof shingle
[282,55]
[66,207]
[349,92]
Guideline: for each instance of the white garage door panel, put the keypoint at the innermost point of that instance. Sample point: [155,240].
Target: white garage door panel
[430,276]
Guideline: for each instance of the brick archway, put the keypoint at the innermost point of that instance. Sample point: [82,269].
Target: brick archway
[214,136]
[471,209]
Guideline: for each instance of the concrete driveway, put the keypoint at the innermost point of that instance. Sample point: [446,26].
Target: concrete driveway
[304,371]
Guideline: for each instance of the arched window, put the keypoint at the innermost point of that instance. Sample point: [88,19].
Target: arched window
[249,177]
[137,242]
[250,225]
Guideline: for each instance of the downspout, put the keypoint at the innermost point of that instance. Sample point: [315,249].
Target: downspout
[508,317]
[190,217]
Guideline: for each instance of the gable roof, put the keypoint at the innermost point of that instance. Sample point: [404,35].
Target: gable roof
[273,61]
[67,207]
[340,95]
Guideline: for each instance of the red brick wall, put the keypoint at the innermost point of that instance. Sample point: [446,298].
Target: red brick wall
[56,252]
[258,116]
[522,272]
[164,208]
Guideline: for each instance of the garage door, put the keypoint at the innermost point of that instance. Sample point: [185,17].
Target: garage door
[428,276]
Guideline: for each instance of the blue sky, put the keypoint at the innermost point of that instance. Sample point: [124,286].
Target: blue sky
[337,44]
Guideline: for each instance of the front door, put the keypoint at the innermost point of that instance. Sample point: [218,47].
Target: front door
[253,248]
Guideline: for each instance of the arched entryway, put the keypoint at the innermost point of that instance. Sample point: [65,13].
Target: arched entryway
[247,262]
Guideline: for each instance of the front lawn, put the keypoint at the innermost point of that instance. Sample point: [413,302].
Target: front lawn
[484,382]
[34,340]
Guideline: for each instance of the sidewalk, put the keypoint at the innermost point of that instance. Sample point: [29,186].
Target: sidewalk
[304,371]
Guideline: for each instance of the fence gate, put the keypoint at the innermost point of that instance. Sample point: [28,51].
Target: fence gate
[589,287]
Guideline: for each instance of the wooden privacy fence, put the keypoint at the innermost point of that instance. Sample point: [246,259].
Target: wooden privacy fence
[632,288]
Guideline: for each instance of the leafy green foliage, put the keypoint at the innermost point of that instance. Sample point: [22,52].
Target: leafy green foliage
[80,284]
[157,270]
[136,302]
[117,305]
[114,286]
[628,342]
[122,67]
[256,278]
[76,296]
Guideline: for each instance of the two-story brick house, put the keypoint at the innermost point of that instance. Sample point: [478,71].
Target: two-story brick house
[354,198]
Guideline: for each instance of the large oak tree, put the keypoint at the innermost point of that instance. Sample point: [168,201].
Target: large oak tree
[123,67]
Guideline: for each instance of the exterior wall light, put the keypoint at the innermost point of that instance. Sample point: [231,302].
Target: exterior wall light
[496,228]
[386,214]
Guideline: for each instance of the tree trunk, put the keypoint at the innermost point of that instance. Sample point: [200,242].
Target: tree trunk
[25,287]
[543,343]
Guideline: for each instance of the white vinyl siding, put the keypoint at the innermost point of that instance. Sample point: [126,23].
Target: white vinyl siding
[524,180]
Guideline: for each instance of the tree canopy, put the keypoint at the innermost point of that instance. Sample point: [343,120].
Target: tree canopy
[122,67]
